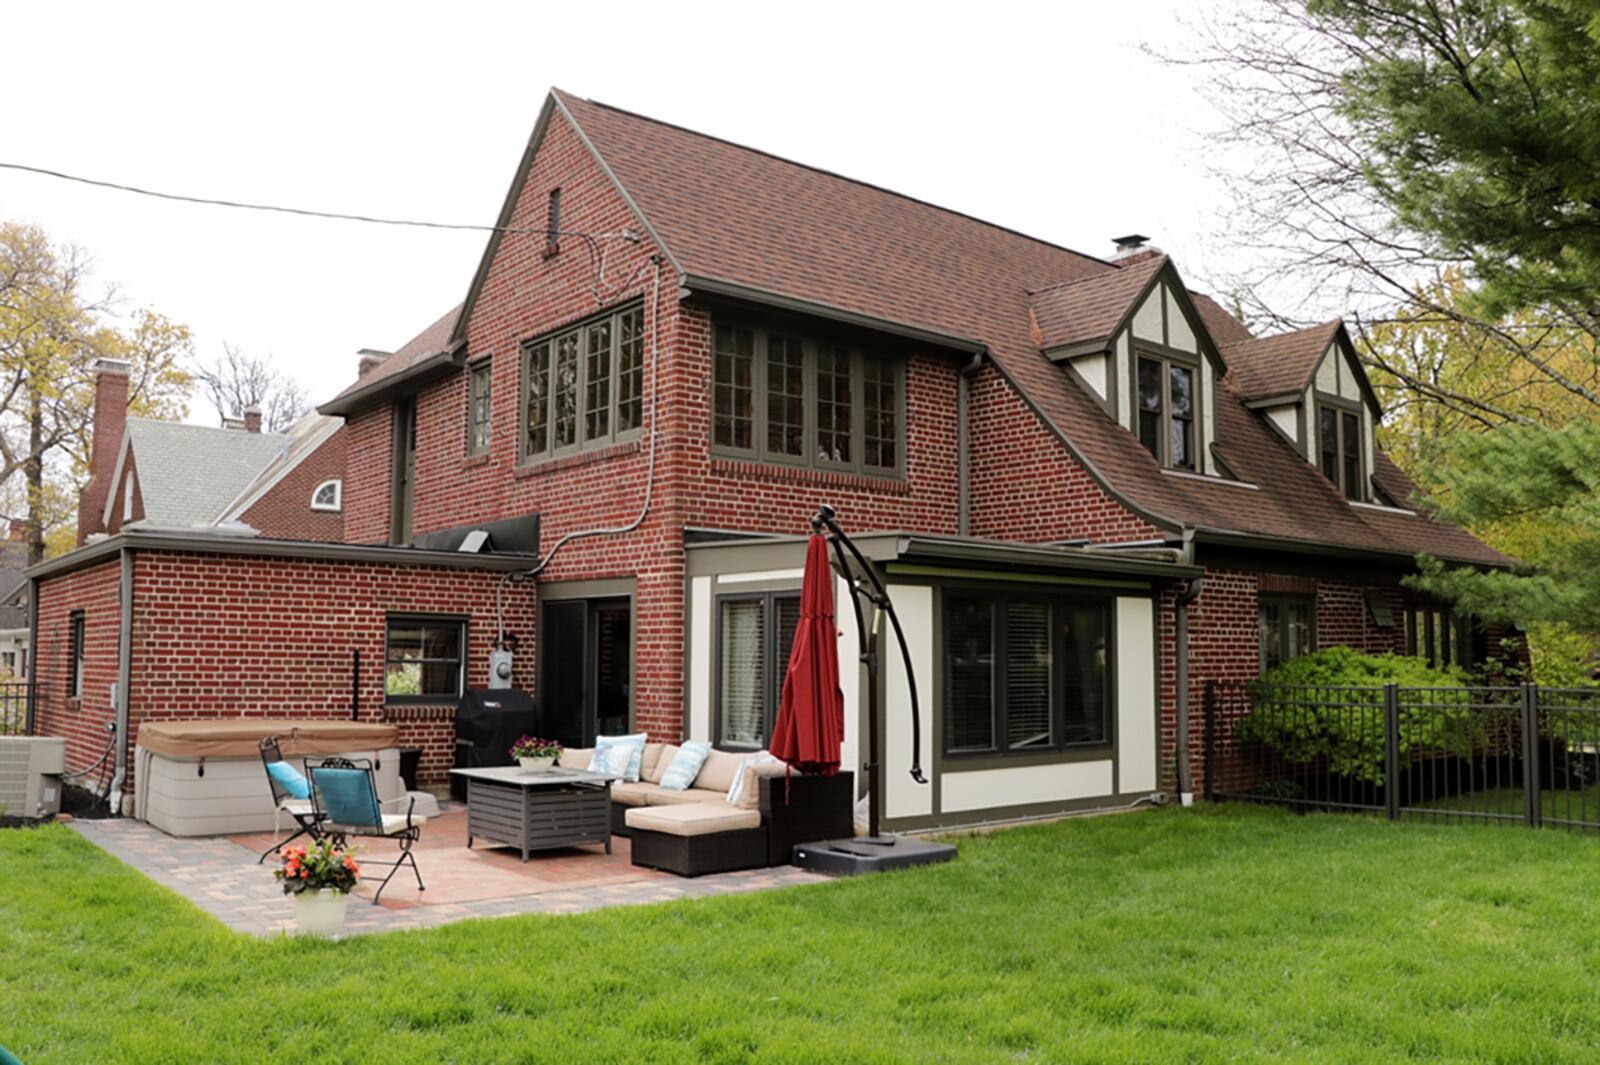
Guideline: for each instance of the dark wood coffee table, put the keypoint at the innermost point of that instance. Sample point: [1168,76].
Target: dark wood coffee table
[534,811]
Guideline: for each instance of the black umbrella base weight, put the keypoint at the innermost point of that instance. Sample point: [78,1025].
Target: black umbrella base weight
[870,854]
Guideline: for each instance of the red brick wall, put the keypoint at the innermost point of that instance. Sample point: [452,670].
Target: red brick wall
[285,513]
[83,721]
[369,437]
[1024,483]
[218,635]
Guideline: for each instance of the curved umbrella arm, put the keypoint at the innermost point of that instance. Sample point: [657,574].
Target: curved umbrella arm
[878,595]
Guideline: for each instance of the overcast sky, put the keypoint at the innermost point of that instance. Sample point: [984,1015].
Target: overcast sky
[1045,118]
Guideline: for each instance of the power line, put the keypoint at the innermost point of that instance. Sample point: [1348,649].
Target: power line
[303,211]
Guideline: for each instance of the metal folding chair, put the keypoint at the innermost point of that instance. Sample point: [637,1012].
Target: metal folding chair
[344,795]
[302,810]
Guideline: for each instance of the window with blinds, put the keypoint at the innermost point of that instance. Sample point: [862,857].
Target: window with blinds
[1024,674]
[754,636]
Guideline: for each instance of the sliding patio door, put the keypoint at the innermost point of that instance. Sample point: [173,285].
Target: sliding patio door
[586,668]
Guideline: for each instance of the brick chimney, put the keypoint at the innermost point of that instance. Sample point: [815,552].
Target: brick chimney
[1133,248]
[105,441]
[370,357]
[252,419]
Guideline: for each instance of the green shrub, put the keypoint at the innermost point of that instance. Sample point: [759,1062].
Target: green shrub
[1327,708]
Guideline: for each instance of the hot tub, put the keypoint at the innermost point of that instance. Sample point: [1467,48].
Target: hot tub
[205,778]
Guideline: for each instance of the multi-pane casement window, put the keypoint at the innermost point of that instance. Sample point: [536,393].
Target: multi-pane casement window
[1024,674]
[1287,626]
[584,386]
[781,397]
[1443,637]
[1168,405]
[754,635]
[424,659]
[1339,448]
[479,382]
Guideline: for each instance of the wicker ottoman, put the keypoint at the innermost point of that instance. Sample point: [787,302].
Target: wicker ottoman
[697,838]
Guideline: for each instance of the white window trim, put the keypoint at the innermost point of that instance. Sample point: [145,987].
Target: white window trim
[338,495]
[127,498]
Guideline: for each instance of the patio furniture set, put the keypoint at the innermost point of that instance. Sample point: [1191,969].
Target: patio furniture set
[727,811]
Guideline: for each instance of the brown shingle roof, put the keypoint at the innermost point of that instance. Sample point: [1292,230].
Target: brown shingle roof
[1224,328]
[734,214]
[431,341]
[1090,308]
[1278,365]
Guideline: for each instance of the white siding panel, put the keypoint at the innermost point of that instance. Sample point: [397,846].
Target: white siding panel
[1208,415]
[1125,390]
[1328,373]
[1179,335]
[1147,320]
[1136,695]
[1287,418]
[993,789]
[851,674]
[907,798]
[700,636]
[1092,368]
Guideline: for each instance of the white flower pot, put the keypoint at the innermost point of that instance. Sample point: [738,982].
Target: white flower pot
[320,912]
[537,765]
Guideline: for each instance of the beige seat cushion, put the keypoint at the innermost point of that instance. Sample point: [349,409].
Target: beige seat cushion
[654,773]
[576,757]
[649,759]
[696,819]
[632,794]
[718,772]
[660,796]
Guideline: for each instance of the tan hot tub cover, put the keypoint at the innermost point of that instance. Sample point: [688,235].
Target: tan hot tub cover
[240,737]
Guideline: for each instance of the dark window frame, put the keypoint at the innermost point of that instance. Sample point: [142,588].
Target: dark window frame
[1342,409]
[480,405]
[77,631]
[775,663]
[1167,359]
[401,619]
[1061,749]
[762,396]
[541,356]
[1439,635]
[1284,600]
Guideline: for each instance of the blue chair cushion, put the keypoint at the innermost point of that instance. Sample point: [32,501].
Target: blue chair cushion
[289,779]
[348,797]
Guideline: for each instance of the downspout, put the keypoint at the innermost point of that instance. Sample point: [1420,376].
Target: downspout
[1190,592]
[119,694]
[964,447]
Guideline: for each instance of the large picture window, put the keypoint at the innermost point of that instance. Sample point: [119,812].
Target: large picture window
[754,635]
[1288,628]
[1167,406]
[1339,448]
[784,398]
[1024,674]
[424,659]
[584,386]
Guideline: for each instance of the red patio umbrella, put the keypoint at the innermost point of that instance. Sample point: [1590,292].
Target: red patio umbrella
[810,725]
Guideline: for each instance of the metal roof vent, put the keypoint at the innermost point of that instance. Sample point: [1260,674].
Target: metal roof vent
[1132,244]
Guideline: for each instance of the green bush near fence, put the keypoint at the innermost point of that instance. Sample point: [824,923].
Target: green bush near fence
[1326,709]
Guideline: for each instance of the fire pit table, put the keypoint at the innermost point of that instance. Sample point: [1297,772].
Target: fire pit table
[535,811]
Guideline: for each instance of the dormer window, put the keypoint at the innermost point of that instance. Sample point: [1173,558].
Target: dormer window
[1167,410]
[1339,447]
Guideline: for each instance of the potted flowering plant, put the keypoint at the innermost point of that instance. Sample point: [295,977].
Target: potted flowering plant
[535,754]
[320,877]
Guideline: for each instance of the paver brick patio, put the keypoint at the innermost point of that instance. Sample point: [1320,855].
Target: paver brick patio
[220,875]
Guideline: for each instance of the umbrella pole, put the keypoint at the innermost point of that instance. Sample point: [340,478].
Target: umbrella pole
[874,656]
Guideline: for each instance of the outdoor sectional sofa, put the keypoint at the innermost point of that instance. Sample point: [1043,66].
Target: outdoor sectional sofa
[697,830]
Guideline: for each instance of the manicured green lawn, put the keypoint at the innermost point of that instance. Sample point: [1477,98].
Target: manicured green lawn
[1175,935]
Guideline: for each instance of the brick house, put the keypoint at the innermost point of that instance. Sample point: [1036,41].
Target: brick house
[1088,488]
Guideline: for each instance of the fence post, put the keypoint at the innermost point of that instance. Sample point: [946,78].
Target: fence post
[30,694]
[1530,755]
[1391,751]
[1209,702]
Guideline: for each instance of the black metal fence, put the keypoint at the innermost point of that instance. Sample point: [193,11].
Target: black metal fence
[16,708]
[1517,754]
